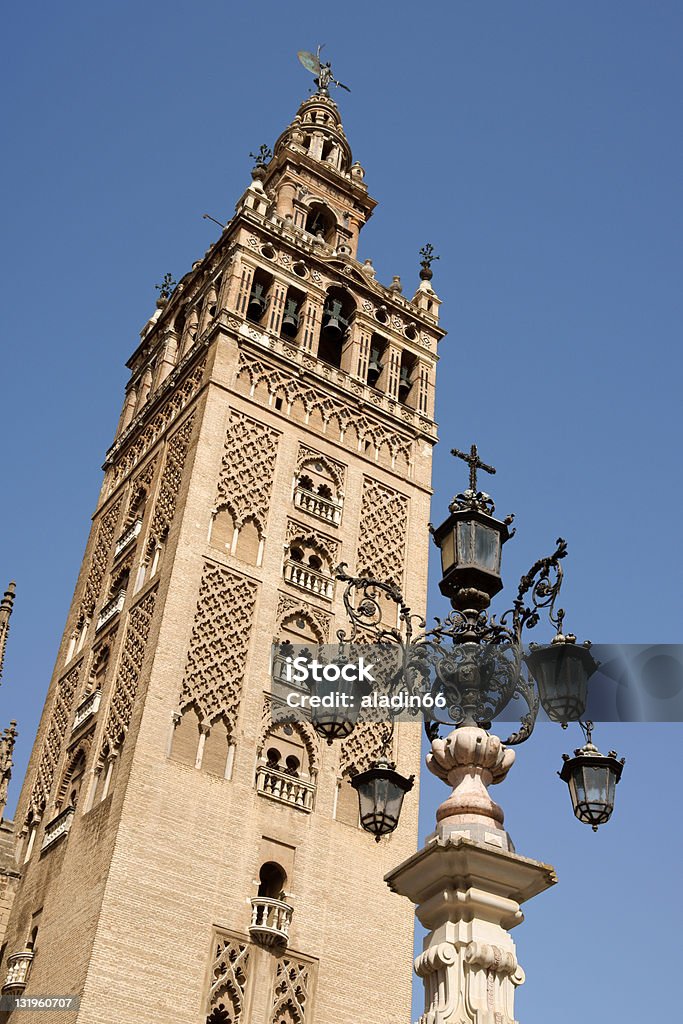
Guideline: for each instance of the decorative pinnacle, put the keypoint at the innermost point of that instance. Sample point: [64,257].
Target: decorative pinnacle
[428,257]
[166,287]
[474,462]
[263,157]
[6,606]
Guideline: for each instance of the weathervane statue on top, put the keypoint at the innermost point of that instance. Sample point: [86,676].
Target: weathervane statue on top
[323,72]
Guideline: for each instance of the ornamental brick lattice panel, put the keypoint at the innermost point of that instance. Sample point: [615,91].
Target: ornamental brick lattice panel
[104,541]
[229,976]
[219,645]
[132,655]
[165,505]
[143,441]
[54,738]
[246,477]
[292,991]
[368,742]
[383,525]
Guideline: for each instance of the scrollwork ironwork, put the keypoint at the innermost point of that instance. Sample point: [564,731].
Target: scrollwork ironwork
[471,658]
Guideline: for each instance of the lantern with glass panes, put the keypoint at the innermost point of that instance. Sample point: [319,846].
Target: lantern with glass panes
[592,778]
[472,664]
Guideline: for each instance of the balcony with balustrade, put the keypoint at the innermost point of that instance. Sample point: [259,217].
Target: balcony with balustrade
[317,505]
[58,827]
[270,921]
[87,709]
[285,788]
[130,534]
[110,610]
[307,578]
[18,970]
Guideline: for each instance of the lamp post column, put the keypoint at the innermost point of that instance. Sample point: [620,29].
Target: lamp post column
[468,884]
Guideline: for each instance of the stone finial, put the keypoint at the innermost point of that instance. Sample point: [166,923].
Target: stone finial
[470,760]
[428,256]
[396,285]
[165,290]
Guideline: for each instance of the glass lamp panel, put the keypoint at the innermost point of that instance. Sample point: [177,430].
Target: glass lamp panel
[366,799]
[594,784]
[576,797]
[448,551]
[486,547]
[465,545]
[394,803]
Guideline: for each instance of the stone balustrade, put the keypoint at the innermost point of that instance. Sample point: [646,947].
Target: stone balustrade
[322,508]
[308,579]
[127,537]
[110,609]
[58,827]
[270,921]
[86,709]
[285,788]
[18,970]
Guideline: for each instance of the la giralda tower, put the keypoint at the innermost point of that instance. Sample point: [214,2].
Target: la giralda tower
[183,856]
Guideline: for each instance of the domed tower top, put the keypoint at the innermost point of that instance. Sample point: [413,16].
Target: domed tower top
[317,130]
[312,178]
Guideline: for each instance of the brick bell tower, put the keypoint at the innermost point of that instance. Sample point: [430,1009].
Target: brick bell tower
[184,857]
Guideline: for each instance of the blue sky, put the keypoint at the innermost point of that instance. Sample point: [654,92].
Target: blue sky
[538,146]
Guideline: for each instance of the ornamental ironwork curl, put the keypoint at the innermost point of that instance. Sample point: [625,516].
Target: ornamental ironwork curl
[471,658]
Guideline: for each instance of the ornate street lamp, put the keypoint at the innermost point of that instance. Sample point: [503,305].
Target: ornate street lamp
[474,662]
[380,796]
[592,778]
[561,671]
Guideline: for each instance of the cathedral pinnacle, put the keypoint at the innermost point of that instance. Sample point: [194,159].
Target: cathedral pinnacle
[6,606]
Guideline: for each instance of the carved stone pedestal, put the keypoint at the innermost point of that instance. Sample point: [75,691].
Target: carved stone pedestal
[469,897]
[467,886]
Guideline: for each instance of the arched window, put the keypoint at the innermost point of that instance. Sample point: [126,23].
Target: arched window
[285,771]
[317,490]
[248,544]
[291,317]
[185,742]
[338,313]
[272,881]
[72,781]
[98,669]
[259,295]
[105,774]
[377,359]
[308,566]
[222,531]
[406,376]
[322,223]
[136,509]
